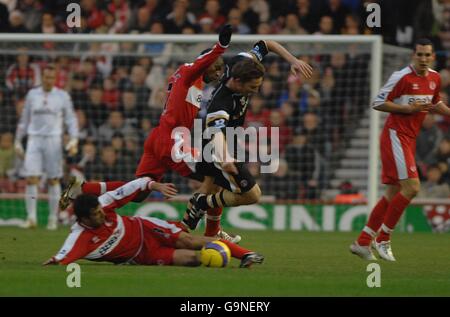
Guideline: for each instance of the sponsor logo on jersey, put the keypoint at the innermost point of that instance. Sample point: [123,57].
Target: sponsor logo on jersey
[413,169]
[95,239]
[415,86]
[432,85]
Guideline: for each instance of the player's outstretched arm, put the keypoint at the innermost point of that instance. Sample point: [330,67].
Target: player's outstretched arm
[297,66]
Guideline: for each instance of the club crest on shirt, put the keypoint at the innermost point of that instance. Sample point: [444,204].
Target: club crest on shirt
[432,85]
[413,169]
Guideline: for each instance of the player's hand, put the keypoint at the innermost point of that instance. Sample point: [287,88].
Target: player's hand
[419,106]
[18,148]
[300,67]
[230,168]
[51,261]
[167,189]
[225,35]
[72,147]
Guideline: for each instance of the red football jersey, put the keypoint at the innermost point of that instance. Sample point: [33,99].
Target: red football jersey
[118,240]
[184,91]
[405,87]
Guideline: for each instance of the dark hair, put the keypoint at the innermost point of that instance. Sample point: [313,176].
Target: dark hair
[83,205]
[50,67]
[423,42]
[247,70]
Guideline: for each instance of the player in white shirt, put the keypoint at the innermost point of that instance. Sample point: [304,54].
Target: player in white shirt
[47,109]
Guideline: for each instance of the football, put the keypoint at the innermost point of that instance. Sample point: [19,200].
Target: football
[215,254]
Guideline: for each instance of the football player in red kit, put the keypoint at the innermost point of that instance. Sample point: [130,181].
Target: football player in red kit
[184,96]
[100,234]
[408,96]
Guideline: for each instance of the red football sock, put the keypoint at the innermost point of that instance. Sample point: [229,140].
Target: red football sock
[99,188]
[236,251]
[373,224]
[393,214]
[213,216]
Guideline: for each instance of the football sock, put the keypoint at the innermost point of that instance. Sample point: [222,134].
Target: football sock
[31,192]
[393,214]
[213,216]
[54,193]
[237,252]
[373,224]
[99,188]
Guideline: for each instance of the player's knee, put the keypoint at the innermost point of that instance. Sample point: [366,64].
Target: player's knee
[411,189]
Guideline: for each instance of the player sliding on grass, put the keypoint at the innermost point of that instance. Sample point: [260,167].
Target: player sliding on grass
[184,95]
[100,234]
[408,95]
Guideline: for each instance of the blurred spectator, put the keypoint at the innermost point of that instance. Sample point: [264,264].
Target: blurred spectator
[307,18]
[4,18]
[32,13]
[179,18]
[130,108]
[282,184]
[261,7]
[337,11]
[6,153]
[78,91]
[160,52]
[352,25]
[115,124]
[88,161]
[257,114]
[212,12]
[142,22]
[427,142]
[434,186]
[87,131]
[285,132]
[249,16]
[306,163]
[16,22]
[136,83]
[349,194]
[95,17]
[235,19]
[291,114]
[120,11]
[111,94]
[315,136]
[22,75]
[109,168]
[292,25]
[95,109]
[326,26]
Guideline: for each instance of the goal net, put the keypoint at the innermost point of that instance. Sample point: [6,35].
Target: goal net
[118,88]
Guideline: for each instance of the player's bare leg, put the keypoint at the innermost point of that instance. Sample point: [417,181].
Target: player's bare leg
[54,193]
[408,190]
[31,193]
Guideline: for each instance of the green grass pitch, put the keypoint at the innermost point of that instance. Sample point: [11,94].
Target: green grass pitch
[297,264]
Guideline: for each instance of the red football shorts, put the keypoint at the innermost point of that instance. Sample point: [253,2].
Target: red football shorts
[157,157]
[397,157]
[159,242]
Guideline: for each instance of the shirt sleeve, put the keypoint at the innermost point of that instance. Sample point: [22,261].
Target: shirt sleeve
[74,248]
[391,90]
[24,119]
[194,70]
[219,112]
[124,194]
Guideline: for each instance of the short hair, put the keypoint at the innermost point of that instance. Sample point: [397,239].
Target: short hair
[83,204]
[247,70]
[423,42]
[49,67]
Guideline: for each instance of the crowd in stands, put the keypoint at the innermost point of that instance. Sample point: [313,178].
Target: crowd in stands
[118,97]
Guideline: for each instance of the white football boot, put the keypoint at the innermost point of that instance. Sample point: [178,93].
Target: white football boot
[228,237]
[362,251]
[52,224]
[28,224]
[384,249]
